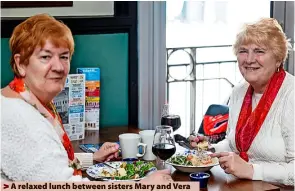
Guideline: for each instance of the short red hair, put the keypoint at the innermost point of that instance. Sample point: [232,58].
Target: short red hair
[34,32]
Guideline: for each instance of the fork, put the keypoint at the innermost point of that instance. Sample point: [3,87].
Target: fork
[109,166]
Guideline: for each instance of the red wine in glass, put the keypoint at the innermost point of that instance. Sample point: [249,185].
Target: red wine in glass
[164,143]
[171,120]
[163,151]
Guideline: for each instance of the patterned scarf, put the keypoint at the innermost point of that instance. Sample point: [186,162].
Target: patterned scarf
[249,123]
[49,112]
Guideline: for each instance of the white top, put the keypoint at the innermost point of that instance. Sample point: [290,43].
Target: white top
[255,100]
[272,150]
[30,148]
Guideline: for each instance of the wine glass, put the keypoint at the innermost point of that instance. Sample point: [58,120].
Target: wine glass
[171,120]
[164,143]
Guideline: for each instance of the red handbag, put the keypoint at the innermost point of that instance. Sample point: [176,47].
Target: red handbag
[215,124]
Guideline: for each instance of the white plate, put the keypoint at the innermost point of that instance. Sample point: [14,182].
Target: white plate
[95,171]
[191,169]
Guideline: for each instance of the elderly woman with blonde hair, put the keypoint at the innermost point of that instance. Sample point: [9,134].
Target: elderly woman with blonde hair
[35,146]
[260,135]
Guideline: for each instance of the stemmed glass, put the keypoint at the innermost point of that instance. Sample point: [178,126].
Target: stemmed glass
[164,144]
[171,120]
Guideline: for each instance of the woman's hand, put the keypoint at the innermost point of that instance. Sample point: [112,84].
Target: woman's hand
[158,176]
[106,152]
[194,140]
[233,164]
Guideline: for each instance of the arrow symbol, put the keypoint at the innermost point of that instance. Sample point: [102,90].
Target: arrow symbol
[5,186]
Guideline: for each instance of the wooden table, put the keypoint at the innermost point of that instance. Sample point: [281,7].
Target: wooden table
[216,182]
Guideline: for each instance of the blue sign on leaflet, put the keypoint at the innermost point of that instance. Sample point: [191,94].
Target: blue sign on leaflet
[76,109]
[91,74]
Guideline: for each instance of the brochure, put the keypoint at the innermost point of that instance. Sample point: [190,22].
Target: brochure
[92,97]
[70,104]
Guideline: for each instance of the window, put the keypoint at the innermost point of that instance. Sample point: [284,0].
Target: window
[201,67]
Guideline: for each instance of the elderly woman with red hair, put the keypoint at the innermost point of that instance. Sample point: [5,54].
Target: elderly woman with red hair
[260,133]
[35,146]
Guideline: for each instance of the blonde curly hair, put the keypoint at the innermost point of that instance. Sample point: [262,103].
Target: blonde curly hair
[267,32]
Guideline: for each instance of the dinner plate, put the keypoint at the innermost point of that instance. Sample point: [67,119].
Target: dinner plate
[95,171]
[191,169]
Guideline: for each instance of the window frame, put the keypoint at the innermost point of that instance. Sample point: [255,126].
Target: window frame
[152,47]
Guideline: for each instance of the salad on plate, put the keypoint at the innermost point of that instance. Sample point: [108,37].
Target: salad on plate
[134,170]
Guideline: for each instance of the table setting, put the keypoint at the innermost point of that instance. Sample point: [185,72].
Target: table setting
[143,152]
[146,151]
[216,182]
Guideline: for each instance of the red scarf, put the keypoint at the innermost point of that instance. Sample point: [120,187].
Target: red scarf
[249,123]
[49,112]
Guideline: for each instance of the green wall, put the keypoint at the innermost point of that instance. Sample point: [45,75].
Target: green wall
[109,52]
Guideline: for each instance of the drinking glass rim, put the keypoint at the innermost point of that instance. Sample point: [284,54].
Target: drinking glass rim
[171,116]
[164,127]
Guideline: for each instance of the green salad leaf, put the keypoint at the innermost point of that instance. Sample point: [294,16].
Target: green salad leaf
[180,160]
[139,167]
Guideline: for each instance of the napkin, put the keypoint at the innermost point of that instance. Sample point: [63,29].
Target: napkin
[86,159]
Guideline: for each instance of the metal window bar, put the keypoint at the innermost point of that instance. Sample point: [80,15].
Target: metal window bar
[193,86]
[191,75]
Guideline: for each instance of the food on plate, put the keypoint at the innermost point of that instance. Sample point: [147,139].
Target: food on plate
[199,161]
[203,146]
[199,142]
[193,160]
[128,171]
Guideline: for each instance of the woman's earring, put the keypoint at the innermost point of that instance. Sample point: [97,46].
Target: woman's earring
[278,69]
[22,74]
